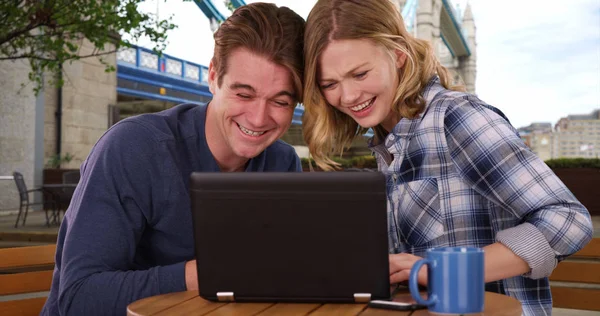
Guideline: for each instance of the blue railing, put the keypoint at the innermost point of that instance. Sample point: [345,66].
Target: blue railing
[148,60]
[238,3]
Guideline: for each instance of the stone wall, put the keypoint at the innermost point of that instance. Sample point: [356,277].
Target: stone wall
[17,129]
[86,95]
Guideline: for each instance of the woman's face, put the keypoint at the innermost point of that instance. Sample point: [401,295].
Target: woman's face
[360,79]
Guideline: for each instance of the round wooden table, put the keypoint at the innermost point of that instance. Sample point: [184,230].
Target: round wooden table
[189,303]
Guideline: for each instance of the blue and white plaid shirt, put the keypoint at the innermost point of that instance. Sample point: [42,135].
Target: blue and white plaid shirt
[459,175]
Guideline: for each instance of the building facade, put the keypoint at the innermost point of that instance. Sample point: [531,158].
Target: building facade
[539,137]
[573,136]
[577,136]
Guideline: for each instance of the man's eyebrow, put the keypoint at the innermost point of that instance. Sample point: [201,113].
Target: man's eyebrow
[348,72]
[238,85]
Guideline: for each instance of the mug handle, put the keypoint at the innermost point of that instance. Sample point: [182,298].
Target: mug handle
[413,285]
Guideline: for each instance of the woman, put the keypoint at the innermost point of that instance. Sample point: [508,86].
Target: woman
[458,173]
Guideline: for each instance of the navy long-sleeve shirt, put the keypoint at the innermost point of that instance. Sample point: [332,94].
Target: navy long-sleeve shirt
[128,231]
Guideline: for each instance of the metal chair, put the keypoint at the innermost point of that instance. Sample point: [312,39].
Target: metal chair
[24,201]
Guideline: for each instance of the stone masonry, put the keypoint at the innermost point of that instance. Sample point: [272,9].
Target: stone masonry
[28,123]
[17,129]
[86,95]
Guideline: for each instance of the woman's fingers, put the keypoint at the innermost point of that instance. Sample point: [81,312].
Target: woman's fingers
[400,266]
[399,276]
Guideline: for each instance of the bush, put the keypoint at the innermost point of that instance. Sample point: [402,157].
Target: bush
[573,163]
[360,162]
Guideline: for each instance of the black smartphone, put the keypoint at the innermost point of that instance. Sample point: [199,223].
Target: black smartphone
[393,305]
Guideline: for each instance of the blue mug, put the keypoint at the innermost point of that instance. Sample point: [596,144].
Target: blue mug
[455,282]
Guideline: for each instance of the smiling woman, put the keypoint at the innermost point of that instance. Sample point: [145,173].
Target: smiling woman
[458,174]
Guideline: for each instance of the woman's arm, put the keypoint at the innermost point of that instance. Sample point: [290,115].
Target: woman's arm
[489,155]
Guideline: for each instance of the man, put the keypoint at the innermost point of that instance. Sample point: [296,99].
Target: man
[128,231]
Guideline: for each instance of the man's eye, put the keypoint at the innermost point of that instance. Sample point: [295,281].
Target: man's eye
[282,103]
[243,96]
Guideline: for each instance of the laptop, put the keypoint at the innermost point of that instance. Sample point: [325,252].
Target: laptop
[291,237]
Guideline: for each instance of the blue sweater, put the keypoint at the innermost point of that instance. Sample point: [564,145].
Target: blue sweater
[128,231]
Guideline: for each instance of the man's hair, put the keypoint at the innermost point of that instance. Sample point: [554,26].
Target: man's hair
[275,33]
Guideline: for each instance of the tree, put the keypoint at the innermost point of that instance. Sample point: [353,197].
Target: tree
[49,33]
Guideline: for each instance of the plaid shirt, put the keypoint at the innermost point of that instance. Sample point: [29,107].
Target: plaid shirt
[459,175]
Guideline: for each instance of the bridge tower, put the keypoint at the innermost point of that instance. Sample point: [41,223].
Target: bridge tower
[468,65]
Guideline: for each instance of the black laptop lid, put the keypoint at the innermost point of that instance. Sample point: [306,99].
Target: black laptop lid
[310,237]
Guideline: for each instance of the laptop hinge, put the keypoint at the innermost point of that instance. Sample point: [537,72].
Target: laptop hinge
[362,297]
[225,296]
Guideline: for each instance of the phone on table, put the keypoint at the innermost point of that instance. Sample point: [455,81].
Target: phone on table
[400,302]
[393,305]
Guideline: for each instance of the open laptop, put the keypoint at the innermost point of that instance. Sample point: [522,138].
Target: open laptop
[296,237]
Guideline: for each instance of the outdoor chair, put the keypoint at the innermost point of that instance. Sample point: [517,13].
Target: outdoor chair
[25,203]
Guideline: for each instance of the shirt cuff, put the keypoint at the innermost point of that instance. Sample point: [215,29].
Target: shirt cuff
[171,278]
[527,242]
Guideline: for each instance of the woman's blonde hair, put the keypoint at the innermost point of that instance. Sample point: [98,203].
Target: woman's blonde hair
[328,131]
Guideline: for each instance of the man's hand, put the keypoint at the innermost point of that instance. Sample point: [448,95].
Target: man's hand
[191,276]
[400,265]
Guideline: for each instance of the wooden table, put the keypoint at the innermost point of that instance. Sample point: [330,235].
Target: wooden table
[189,303]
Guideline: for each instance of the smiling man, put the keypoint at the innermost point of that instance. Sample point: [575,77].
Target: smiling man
[128,231]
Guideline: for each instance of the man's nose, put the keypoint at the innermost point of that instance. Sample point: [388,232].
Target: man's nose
[259,114]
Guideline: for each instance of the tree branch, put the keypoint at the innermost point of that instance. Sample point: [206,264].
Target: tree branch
[17,33]
[37,57]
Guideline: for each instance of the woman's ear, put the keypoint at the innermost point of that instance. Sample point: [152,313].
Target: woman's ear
[400,58]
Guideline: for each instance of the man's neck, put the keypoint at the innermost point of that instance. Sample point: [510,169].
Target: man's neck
[225,158]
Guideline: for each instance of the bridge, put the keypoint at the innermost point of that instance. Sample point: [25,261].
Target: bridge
[143,76]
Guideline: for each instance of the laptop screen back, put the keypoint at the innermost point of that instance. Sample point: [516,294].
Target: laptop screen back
[305,237]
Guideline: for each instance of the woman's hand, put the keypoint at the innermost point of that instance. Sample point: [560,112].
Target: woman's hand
[400,265]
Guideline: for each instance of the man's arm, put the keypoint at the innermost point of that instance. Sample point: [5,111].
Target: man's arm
[109,212]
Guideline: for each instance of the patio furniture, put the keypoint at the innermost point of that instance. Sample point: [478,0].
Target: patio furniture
[189,303]
[25,270]
[574,282]
[25,202]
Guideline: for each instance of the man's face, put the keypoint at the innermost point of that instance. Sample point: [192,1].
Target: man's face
[252,108]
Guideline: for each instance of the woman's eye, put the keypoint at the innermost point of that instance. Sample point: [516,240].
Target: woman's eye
[327,86]
[361,75]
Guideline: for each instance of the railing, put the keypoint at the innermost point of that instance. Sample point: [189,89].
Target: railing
[147,59]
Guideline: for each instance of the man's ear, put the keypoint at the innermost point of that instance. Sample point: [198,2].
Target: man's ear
[212,77]
[400,58]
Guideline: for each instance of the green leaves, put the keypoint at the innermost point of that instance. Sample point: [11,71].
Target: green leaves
[51,32]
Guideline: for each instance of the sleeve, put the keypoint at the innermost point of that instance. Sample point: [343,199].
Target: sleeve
[119,187]
[488,153]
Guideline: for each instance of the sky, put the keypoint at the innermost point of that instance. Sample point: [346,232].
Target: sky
[537,60]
